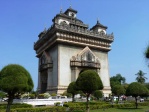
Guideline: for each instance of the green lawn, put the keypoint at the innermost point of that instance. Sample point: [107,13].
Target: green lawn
[140,109]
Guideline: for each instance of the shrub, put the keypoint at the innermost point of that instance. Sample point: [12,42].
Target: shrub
[41,96]
[46,95]
[43,109]
[17,105]
[57,104]
[53,94]
[31,96]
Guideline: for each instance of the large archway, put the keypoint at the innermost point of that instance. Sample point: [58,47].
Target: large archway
[44,77]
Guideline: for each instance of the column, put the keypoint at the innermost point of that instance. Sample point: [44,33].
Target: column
[76,73]
[49,79]
[39,82]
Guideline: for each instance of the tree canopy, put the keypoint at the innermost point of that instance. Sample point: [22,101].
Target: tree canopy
[147,85]
[141,77]
[15,79]
[147,52]
[118,90]
[88,82]
[72,89]
[136,89]
[117,80]
[98,94]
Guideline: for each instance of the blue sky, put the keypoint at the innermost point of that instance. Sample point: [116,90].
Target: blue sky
[22,20]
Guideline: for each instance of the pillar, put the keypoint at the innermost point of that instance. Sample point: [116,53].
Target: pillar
[49,79]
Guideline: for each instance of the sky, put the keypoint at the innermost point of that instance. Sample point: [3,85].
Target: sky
[22,20]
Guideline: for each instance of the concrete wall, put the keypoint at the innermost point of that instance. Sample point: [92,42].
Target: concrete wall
[61,73]
[104,70]
[53,52]
[65,54]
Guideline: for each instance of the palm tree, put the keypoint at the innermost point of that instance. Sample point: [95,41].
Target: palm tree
[141,77]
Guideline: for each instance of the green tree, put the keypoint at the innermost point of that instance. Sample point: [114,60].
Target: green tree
[118,90]
[118,78]
[136,89]
[141,77]
[98,94]
[88,82]
[146,53]
[15,79]
[147,85]
[72,89]
[125,86]
[2,94]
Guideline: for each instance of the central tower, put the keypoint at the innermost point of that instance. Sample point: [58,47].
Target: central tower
[67,48]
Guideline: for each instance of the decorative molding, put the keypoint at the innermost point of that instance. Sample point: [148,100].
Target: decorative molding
[86,58]
[51,88]
[45,61]
[81,30]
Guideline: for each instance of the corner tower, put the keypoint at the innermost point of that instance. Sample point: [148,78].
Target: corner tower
[67,48]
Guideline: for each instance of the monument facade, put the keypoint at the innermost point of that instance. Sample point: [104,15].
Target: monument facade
[67,48]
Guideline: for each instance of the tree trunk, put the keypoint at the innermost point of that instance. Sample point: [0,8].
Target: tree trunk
[87,106]
[136,102]
[118,99]
[73,98]
[10,100]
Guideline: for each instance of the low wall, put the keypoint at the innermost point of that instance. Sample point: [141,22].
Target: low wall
[40,102]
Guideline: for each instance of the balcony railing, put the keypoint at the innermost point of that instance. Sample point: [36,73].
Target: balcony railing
[85,64]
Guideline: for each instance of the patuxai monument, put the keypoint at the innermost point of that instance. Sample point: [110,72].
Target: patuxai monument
[68,47]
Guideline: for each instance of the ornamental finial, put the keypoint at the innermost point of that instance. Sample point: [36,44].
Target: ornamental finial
[97,20]
[45,29]
[70,4]
[61,10]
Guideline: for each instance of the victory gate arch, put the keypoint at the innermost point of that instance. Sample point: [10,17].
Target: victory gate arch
[67,48]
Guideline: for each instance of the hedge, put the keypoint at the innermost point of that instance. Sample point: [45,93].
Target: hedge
[76,106]
[69,107]
[41,109]
[17,105]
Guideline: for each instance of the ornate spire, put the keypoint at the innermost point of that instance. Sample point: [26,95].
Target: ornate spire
[61,10]
[70,4]
[98,21]
[45,29]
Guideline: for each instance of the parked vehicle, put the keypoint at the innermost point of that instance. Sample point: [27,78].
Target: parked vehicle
[141,100]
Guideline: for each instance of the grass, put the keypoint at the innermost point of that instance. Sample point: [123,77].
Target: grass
[140,109]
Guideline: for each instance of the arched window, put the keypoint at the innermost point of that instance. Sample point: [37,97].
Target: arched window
[63,23]
[102,33]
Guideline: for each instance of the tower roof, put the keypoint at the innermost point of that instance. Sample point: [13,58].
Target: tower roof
[98,24]
[68,29]
[70,10]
